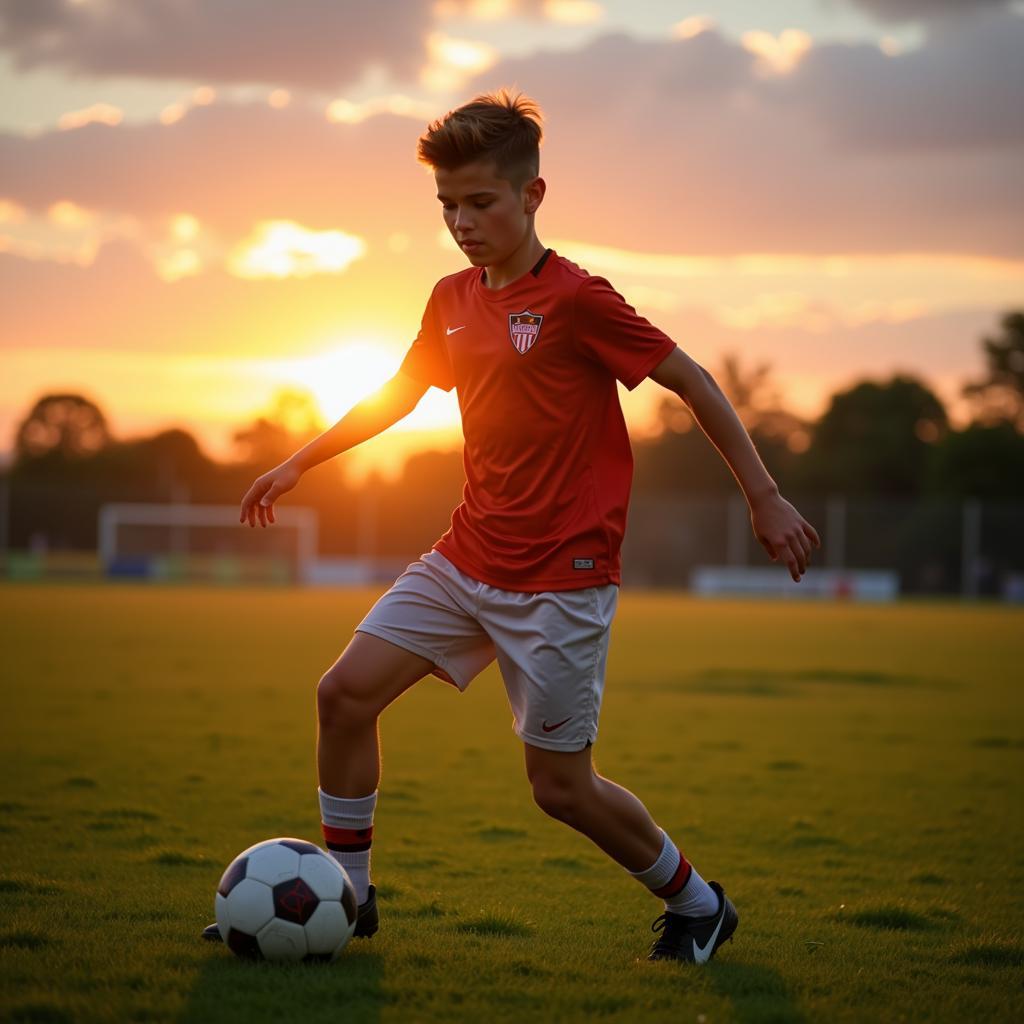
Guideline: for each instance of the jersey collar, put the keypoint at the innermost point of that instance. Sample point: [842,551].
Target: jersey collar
[523,282]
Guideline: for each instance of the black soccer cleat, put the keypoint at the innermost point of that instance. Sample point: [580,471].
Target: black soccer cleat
[367,920]
[694,939]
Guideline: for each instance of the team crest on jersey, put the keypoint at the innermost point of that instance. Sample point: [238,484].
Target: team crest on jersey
[524,330]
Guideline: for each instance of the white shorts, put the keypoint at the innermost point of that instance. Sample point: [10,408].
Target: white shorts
[552,647]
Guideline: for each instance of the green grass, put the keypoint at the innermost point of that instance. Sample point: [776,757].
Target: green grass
[851,774]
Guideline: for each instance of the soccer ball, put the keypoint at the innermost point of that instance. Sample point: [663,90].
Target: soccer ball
[285,899]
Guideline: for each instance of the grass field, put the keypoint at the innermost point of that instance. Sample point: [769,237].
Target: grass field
[851,774]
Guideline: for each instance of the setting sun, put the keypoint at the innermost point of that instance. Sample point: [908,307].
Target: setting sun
[338,379]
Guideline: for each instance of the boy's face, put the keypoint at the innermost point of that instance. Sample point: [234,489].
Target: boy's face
[488,217]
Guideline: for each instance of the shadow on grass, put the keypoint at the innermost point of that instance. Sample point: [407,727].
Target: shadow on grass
[758,994]
[229,989]
[754,682]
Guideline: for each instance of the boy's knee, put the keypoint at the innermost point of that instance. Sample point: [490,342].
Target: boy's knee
[558,797]
[341,701]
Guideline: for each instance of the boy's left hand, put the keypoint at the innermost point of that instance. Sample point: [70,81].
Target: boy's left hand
[784,533]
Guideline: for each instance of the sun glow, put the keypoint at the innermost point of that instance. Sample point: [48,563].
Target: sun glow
[340,378]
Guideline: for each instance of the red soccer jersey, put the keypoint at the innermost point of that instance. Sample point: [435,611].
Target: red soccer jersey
[547,455]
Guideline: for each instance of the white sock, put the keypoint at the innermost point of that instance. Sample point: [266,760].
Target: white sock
[697,898]
[348,833]
[674,879]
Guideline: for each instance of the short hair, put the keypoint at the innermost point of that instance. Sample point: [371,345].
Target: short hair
[502,126]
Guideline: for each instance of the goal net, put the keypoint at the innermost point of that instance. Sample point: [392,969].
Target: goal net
[205,542]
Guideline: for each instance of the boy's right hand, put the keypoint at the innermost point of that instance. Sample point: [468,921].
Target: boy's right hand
[259,499]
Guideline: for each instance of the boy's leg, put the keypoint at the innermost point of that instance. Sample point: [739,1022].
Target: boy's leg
[423,624]
[369,675]
[566,787]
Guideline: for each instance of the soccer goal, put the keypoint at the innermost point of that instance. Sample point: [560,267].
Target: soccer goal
[170,542]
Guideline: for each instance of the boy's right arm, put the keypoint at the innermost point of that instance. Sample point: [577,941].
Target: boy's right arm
[371,416]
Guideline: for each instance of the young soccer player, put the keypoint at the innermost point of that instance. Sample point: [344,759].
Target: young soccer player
[528,573]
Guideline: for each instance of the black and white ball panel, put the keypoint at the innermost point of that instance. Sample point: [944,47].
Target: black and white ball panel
[329,921]
[348,901]
[272,864]
[321,873]
[294,901]
[232,876]
[243,945]
[300,846]
[285,899]
[282,940]
[250,905]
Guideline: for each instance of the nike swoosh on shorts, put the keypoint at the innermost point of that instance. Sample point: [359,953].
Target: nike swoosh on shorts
[551,728]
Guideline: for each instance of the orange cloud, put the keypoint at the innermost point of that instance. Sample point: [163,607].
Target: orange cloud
[343,111]
[314,45]
[11,213]
[452,61]
[693,26]
[778,54]
[98,113]
[282,248]
[573,12]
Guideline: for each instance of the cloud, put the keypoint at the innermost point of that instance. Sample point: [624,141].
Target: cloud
[960,92]
[656,146]
[571,12]
[105,113]
[285,249]
[682,146]
[897,11]
[301,43]
[230,166]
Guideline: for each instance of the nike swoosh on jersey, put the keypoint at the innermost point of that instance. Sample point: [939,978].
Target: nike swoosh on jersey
[452,330]
[702,954]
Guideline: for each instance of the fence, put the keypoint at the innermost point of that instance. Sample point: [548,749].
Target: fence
[935,546]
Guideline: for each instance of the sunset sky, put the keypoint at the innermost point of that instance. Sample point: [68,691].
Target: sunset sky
[205,201]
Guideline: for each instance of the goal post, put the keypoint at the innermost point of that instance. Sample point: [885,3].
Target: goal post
[182,541]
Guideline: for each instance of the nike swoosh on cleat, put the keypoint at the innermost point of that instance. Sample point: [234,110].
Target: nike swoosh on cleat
[452,330]
[551,728]
[702,954]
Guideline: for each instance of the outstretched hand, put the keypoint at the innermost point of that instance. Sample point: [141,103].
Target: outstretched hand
[259,499]
[784,533]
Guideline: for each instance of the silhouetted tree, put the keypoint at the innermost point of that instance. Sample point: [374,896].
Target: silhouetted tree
[999,397]
[682,460]
[979,462]
[875,439]
[68,424]
[758,402]
[291,422]
[171,466]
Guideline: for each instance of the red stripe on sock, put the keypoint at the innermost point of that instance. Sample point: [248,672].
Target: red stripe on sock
[678,880]
[348,836]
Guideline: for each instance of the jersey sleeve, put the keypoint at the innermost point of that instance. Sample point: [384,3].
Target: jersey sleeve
[611,332]
[427,359]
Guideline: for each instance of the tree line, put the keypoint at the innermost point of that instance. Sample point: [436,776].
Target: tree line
[882,438]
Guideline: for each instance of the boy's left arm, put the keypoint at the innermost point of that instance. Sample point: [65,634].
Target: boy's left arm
[779,527]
